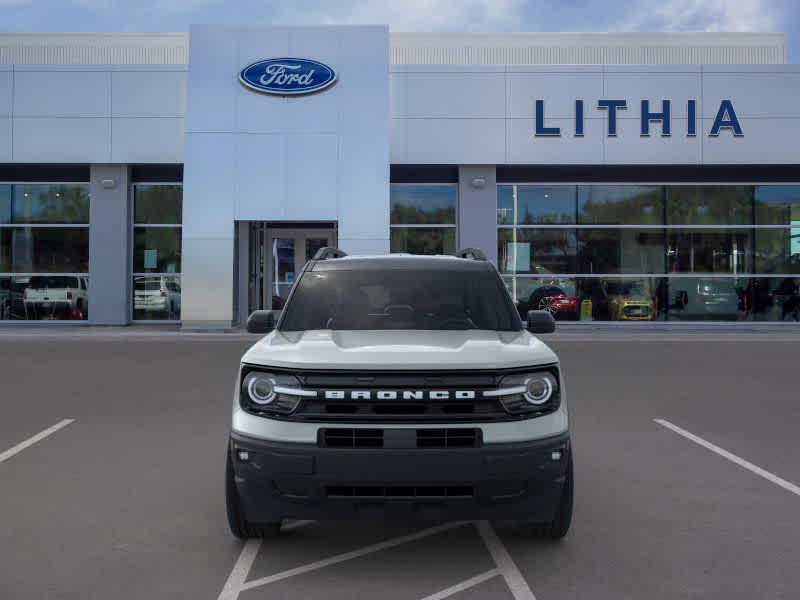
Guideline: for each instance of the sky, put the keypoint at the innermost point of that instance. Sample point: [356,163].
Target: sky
[414,15]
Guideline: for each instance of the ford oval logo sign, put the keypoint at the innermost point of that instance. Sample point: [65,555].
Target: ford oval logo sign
[287,76]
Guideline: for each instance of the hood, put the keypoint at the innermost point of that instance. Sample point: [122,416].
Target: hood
[387,350]
[635,300]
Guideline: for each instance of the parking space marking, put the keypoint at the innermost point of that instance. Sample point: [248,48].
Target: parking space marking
[731,457]
[240,571]
[4,456]
[339,558]
[505,564]
[464,585]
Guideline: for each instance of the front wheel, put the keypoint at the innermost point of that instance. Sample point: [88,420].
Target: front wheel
[559,526]
[237,521]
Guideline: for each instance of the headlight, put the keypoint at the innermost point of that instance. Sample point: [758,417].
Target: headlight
[260,388]
[523,393]
[539,388]
[263,392]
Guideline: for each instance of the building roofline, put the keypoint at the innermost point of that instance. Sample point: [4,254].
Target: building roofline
[411,48]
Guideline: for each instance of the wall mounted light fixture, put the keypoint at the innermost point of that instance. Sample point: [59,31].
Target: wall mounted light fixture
[478,182]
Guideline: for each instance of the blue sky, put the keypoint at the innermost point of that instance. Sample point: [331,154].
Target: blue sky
[414,15]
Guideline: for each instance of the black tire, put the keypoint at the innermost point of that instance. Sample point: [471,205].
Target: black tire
[559,526]
[239,525]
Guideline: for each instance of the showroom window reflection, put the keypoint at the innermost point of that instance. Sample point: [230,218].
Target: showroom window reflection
[157,218]
[44,251]
[423,217]
[647,252]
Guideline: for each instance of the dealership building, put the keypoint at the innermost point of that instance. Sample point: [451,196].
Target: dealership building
[186,178]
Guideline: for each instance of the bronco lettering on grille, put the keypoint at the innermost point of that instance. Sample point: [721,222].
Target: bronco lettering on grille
[399,394]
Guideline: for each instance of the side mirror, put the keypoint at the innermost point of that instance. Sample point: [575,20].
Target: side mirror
[262,321]
[541,321]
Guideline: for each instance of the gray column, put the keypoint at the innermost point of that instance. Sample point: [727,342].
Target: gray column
[243,234]
[109,246]
[477,209]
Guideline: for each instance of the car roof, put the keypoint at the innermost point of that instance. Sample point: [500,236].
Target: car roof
[400,262]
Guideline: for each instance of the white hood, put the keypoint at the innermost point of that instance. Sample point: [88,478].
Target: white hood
[388,350]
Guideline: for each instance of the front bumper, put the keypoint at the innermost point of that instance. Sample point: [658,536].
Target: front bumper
[636,312]
[498,481]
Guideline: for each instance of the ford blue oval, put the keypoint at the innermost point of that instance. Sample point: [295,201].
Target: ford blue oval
[287,76]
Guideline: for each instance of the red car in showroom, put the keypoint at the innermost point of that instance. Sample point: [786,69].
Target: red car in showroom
[554,300]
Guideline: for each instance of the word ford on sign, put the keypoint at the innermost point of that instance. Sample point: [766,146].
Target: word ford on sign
[287,76]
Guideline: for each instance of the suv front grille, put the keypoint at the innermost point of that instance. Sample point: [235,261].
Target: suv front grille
[481,409]
[401,411]
[448,438]
[378,492]
[412,397]
[456,437]
[351,438]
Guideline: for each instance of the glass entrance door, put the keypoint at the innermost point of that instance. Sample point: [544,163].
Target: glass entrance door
[278,255]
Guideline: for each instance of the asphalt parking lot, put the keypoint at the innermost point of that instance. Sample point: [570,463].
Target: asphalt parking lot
[686,459]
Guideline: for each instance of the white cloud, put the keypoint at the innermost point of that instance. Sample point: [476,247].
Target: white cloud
[416,15]
[705,15]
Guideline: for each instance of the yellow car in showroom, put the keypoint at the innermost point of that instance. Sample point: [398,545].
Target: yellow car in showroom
[628,299]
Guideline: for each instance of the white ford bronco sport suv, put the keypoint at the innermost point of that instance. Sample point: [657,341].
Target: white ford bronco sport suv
[399,386]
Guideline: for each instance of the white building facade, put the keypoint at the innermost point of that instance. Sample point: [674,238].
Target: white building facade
[631,177]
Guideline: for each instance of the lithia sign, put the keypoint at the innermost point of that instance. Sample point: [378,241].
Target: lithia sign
[726,119]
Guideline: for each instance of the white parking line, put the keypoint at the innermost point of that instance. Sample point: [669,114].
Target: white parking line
[464,585]
[326,562]
[505,564]
[732,457]
[4,456]
[240,571]
[230,591]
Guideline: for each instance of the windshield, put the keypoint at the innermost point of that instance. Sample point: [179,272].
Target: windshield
[626,288]
[148,285]
[40,282]
[400,299]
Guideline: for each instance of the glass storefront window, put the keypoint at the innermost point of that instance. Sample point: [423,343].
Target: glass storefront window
[709,205]
[424,240]
[659,298]
[432,205]
[157,250]
[535,204]
[777,205]
[553,294]
[591,299]
[620,251]
[623,298]
[708,299]
[43,263]
[44,250]
[536,251]
[44,204]
[620,205]
[158,204]
[423,204]
[710,251]
[774,299]
[5,203]
[505,205]
[644,252]
[157,214]
[778,250]
[156,297]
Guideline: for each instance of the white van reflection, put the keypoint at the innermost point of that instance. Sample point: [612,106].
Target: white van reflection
[156,297]
[48,297]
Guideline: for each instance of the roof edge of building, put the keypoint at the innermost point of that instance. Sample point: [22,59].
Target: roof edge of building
[449,48]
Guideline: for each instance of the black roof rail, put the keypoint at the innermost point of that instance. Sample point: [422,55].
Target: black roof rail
[327,252]
[471,253]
